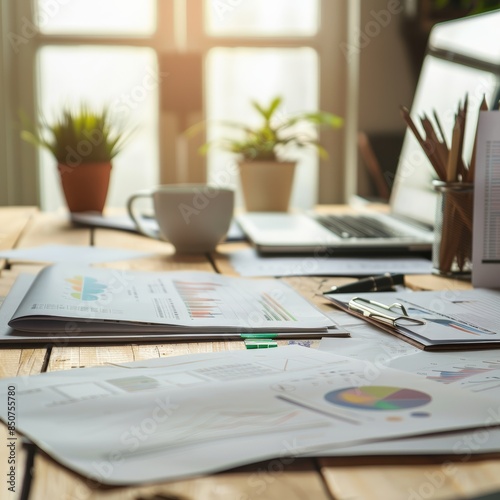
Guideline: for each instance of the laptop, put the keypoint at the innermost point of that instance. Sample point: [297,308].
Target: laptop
[462,58]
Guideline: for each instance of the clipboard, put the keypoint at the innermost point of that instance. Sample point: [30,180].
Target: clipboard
[392,314]
[392,317]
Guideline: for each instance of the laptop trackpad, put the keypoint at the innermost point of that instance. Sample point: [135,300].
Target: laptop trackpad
[275,228]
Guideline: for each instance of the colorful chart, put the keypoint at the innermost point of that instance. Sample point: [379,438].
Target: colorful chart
[450,376]
[373,397]
[85,288]
[201,299]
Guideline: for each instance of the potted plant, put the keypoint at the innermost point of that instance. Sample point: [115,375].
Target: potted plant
[266,177]
[83,142]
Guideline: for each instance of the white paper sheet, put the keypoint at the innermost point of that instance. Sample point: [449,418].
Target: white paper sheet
[473,371]
[249,263]
[176,417]
[486,226]
[70,254]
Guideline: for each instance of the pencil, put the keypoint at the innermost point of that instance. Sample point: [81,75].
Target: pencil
[441,150]
[452,167]
[440,128]
[426,145]
[472,168]
[462,117]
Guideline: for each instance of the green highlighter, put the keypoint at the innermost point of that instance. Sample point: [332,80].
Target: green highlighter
[260,343]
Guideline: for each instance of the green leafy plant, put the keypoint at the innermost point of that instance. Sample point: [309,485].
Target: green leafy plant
[470,6]
[268,141]
[78,134]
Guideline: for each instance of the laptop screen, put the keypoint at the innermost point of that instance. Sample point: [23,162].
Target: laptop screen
[463,58]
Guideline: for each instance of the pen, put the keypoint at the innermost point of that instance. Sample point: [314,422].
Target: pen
[381,283]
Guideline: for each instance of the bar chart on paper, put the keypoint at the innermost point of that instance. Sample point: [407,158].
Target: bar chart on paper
[481,376]
[475,372]
[213,300]
[201,299]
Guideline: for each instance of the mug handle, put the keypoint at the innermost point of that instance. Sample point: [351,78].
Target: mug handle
[137,219]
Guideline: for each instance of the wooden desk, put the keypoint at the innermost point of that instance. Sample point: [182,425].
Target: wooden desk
[318,479]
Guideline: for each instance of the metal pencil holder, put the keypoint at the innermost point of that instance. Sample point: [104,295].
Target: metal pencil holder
[452,249]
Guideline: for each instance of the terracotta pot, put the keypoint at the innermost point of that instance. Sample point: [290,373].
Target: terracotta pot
[267,185]
[85,186]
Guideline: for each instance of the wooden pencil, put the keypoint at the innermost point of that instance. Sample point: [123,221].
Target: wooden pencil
[427,146]
[451,168]
[472,168]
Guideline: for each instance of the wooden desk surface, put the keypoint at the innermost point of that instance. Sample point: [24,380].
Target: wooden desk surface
[319,479]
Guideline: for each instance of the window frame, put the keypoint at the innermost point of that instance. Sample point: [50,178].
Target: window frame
[19,163]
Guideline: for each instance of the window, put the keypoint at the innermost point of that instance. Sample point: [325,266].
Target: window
[290,72]
[118,53]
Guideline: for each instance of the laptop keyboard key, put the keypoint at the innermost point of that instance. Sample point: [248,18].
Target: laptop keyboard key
[348,226]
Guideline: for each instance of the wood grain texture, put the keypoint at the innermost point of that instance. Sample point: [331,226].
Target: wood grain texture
[273,480]
[20,362]
[162,255]
[65,358]
[221,257]
[125,239]
[53,229]
[431,282]
[13,221]
[446,480]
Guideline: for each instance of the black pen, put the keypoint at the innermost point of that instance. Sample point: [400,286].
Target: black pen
[381,283]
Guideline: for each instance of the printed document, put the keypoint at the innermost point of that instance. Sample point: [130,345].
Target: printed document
[180,416]
[449,318]
[486,224]
[89,299]
[475,371]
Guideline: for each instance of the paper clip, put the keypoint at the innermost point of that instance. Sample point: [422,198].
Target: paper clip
[381,312]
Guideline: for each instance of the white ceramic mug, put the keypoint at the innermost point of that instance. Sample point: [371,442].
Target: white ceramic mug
[193,217]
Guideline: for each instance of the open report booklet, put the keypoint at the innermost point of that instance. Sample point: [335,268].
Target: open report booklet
[179,304]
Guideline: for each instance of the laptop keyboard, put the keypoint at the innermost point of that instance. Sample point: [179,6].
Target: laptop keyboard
[359,226]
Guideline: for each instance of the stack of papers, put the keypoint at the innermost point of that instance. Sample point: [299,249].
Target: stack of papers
[476,371]
[109,304]
[459,319]
[176,417]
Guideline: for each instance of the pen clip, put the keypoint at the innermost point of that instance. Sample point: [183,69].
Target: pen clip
[381,312]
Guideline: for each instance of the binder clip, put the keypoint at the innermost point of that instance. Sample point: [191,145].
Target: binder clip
[394,314]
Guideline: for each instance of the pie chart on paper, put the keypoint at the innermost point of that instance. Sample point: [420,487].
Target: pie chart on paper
[375,397]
